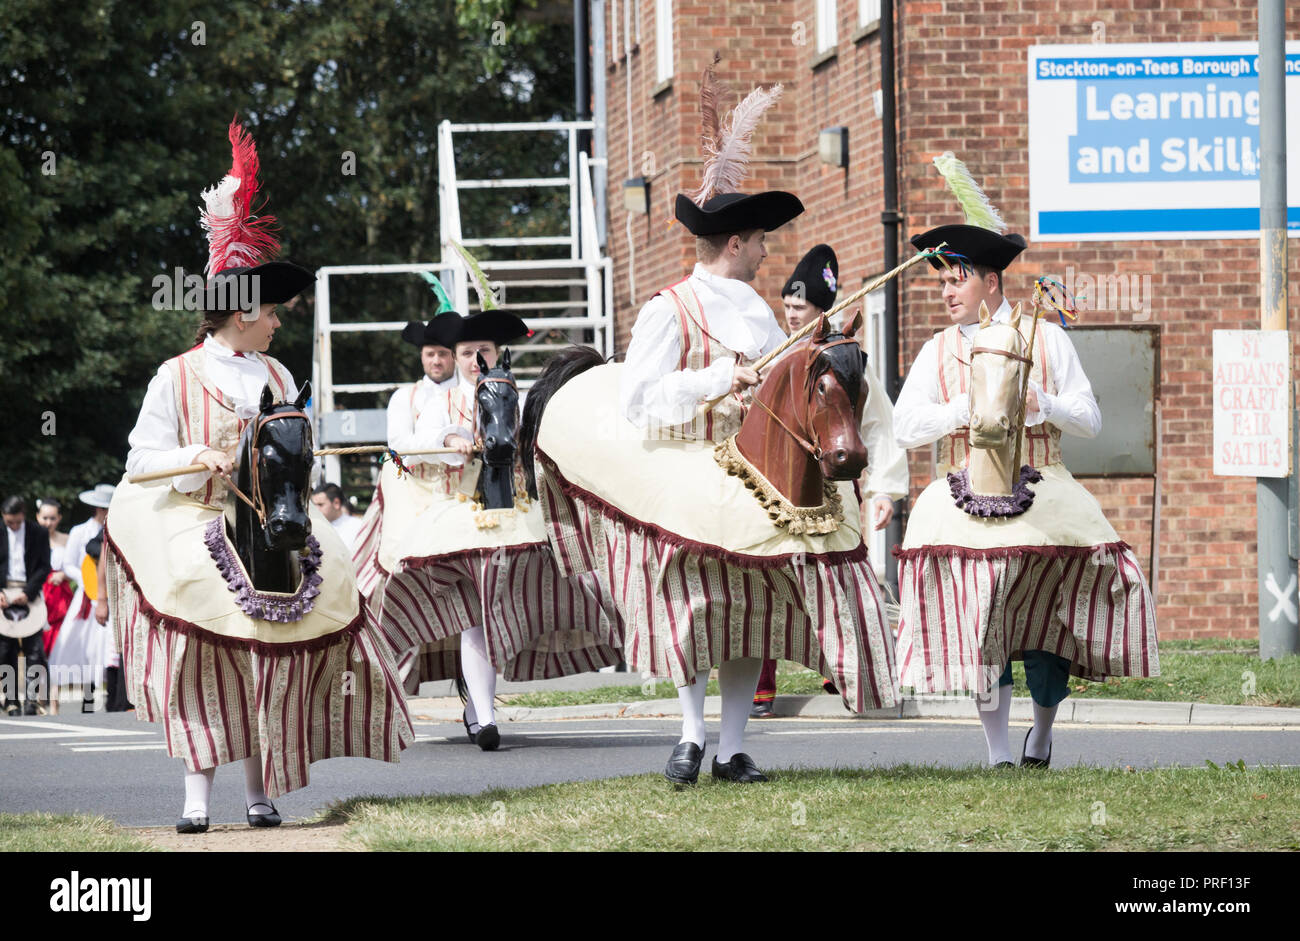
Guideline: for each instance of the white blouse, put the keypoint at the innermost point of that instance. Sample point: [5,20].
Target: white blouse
[920,415]
[402,409]
[155,442]
[654,390]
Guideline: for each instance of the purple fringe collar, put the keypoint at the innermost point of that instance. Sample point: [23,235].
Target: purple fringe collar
[993,505]
[280,608]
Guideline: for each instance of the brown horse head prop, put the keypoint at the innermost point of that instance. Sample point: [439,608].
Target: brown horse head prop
[803,428]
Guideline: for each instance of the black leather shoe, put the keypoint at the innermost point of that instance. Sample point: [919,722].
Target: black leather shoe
[684,763]
[264,820]
[1027,762]
[762,710]
[29,708]
[13,709]
[740,768]
[472,736]
[1004,764]
[488,738]
[192,825]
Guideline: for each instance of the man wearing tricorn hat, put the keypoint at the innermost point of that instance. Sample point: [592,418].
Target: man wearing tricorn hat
[1059,541]
[691,342]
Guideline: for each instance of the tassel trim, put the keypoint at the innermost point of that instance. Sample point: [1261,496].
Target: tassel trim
[993,505]
[796,520]
[1007,552]
[658,533]
[282,608]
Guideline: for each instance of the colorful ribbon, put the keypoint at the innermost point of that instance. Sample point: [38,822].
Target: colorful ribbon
[1052,295]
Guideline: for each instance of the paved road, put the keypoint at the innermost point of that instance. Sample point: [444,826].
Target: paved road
[114,765]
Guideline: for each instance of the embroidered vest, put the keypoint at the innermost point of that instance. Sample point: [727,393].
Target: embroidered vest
[700,350]
[443,479]
[1039,446]
[206,416]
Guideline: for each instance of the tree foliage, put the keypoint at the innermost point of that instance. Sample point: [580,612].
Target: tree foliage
[112,120]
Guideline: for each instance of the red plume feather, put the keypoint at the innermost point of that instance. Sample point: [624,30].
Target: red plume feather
[236,237]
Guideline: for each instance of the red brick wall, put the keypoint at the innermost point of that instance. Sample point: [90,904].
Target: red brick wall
[961,87]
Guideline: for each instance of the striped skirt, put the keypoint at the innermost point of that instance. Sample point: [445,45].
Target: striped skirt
[965,613]
[685,608]
[221,699]
[538,624]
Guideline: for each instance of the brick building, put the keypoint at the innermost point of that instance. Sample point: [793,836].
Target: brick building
[961,79]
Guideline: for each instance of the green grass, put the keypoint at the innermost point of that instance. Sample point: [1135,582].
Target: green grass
[1207,671]
[903,808]
[65,833]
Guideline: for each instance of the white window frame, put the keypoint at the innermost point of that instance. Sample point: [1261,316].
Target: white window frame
[663,40]
[826,25]
[868,12]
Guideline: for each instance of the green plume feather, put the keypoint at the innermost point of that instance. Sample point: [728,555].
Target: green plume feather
[486,300]
[979,211]
[445,306]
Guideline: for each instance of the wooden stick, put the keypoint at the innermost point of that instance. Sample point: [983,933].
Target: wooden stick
[380,449]
[1024,392]
[200,468]
[807,329]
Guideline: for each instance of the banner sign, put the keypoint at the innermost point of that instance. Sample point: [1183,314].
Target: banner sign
[1151,141]
[1252,403]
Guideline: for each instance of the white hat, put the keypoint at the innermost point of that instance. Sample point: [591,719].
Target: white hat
[101,496]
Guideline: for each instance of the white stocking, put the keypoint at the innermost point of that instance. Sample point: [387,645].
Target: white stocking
[1039,743]
[692,700]
[254,790]
[480,676]
[737,680]
[996,717]
[198,787]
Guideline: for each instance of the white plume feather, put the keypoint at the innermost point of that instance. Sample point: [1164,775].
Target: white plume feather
[727,166]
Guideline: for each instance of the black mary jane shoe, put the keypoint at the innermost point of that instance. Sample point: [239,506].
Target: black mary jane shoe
[194,824]
[263,820]
[684,763]
[740,768]
[1002,765]
[488,738]
[1027,762]
[472,736]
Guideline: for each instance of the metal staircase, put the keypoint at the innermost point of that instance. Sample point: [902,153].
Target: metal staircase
[563,300]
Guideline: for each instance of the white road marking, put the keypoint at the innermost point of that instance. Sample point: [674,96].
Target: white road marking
[152,745]
[41,729]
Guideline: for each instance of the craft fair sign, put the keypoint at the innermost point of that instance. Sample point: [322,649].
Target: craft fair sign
[1252,416]
[1152,141]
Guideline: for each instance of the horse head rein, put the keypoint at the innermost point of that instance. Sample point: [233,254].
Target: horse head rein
[257,504]
[478,442]
[813,447]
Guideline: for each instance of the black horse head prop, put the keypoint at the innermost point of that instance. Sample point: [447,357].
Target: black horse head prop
[496,426]
[274,473]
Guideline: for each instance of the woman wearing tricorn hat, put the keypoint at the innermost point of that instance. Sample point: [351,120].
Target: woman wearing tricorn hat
[1091,612]
[199,650]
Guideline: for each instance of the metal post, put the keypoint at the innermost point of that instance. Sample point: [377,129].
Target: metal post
[1278,621]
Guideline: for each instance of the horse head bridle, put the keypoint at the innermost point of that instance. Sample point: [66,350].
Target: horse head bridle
[813,446]
[482,380]
[256,502]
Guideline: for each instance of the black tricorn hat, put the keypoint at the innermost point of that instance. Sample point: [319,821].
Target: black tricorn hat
[980,246]
[738,212]
[277,282]
[443,330]
[815,278]
[494,325]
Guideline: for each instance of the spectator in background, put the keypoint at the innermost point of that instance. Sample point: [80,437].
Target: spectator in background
[57,589]
[333,504]
[25,564]
[79,653]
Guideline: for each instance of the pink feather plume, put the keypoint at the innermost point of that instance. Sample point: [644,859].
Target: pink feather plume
[726,164]
[236,237]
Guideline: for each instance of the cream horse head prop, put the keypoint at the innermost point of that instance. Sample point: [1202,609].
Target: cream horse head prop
[999,360]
